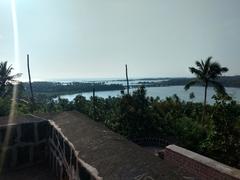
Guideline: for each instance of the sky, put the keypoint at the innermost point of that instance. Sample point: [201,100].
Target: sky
[80,39]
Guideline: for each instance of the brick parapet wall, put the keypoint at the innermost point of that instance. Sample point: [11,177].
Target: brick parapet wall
[200,166]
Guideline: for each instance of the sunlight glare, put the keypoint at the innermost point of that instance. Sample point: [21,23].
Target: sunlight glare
[14,96]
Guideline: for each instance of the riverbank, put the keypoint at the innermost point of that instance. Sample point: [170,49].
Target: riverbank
[105,88]
[164,92]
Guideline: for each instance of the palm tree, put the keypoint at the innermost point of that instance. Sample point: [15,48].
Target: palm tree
[207,74]
[6,79]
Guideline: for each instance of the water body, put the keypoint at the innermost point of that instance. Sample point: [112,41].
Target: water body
[164,92]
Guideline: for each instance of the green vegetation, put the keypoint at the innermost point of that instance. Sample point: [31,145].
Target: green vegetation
[138,116]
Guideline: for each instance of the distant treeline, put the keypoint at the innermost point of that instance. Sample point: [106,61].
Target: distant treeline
[227,81]
[57,88]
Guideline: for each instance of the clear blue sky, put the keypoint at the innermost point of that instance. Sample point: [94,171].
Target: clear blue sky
[96,38]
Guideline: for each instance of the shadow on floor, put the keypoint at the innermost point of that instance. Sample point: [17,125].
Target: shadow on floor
[36,172]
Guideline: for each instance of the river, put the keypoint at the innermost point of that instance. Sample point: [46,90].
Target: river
[164,92]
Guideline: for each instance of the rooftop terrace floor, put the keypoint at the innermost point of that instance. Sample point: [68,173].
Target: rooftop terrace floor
[37,172]
[111,154]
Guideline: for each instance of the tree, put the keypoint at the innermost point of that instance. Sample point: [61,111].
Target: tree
[223,142]
[6,79]
[137,119]
[207,74]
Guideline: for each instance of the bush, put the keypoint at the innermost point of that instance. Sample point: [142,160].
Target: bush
[223,142]
[190,134]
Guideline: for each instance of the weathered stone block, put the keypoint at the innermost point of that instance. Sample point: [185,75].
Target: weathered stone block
[11,134]
[74,160]
[62,142]
[2,134]
[43,130]
[67,152]
[39,152]
[28,134]
[55,137]
[6,158]
[65,175]
[23,155]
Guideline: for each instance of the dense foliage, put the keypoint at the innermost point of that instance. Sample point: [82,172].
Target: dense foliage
[138,116]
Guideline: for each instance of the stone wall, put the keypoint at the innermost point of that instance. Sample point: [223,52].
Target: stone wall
[199,166]
[65,161]
[23,144]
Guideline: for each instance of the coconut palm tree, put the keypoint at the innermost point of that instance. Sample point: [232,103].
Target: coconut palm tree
[207,74]
[6,79]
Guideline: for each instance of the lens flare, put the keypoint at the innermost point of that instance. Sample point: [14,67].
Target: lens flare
[16,55]
[14,95]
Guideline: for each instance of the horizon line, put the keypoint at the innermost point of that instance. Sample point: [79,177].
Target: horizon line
[107,79]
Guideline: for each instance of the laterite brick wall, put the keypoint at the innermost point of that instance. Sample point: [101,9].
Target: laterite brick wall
[23,144]
[64,158]
[200,166]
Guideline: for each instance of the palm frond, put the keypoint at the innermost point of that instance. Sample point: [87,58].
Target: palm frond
[199,65]
[224,69]
[219,88]
[191,83]
[9,68]
[207,65]
[195,71]
[5,74]
[208,60]
[202,63]
[216,70]
[215,65]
